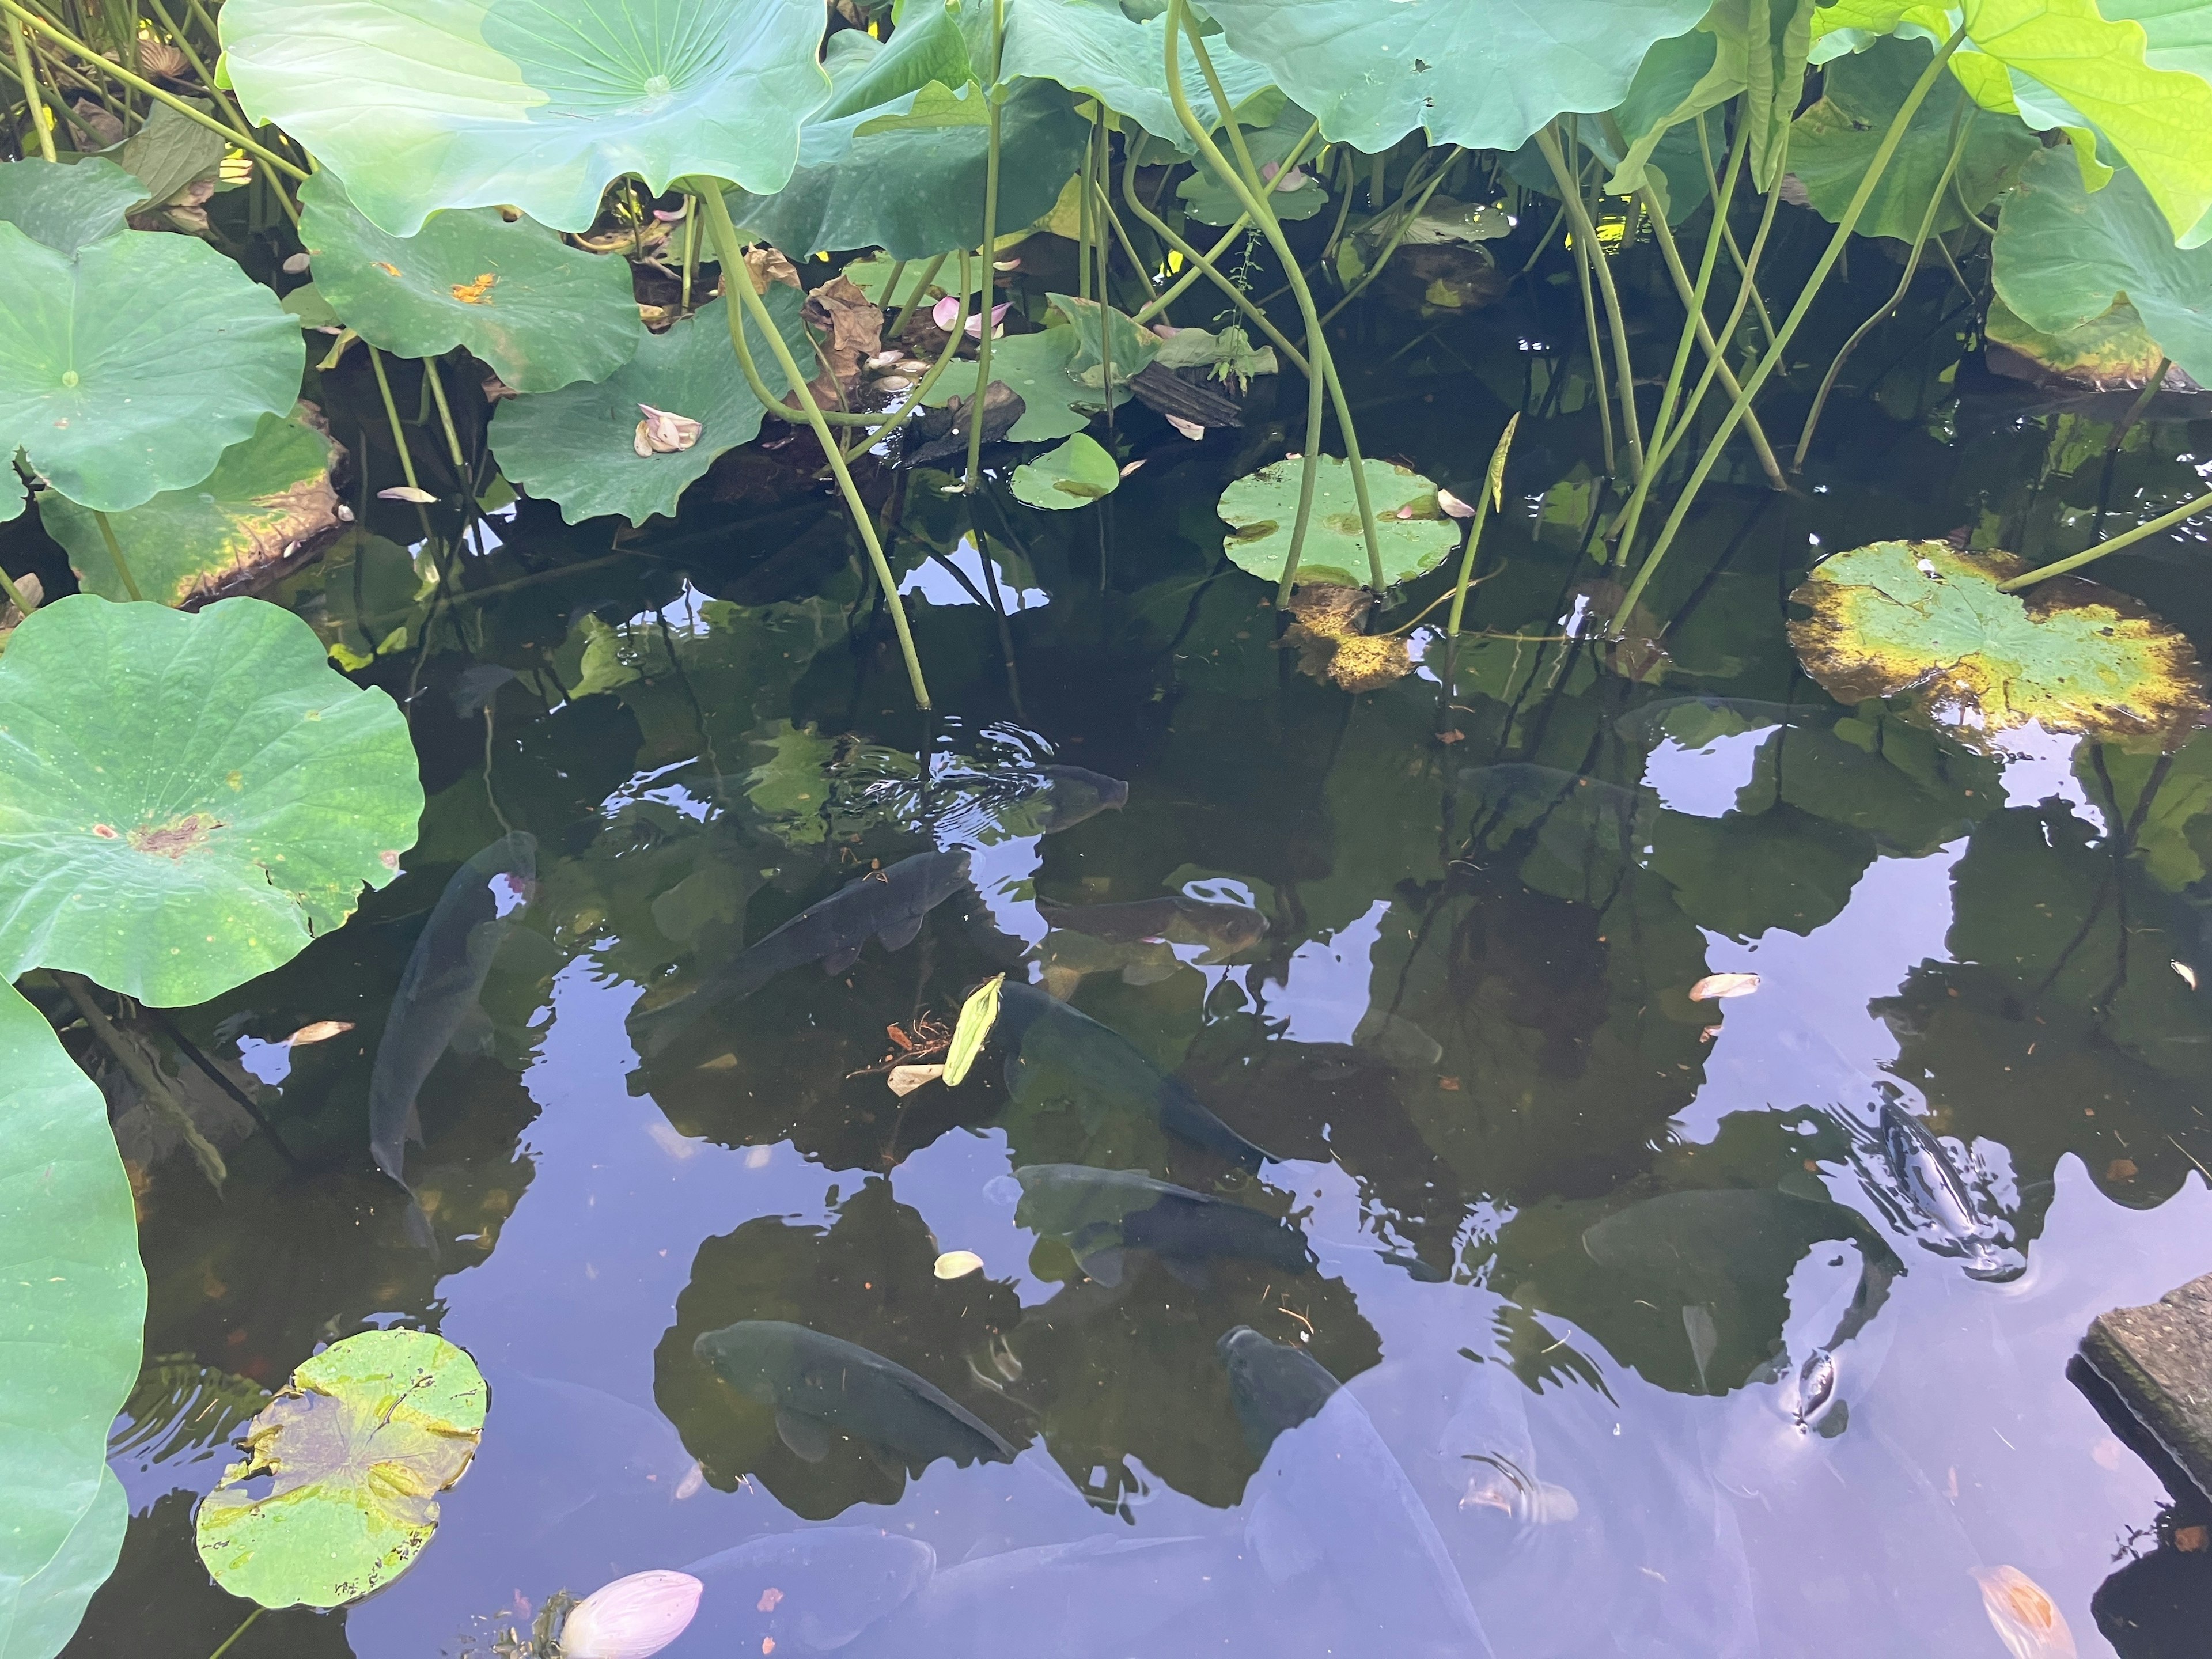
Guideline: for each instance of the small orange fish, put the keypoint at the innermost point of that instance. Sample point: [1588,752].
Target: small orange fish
[2026,1619]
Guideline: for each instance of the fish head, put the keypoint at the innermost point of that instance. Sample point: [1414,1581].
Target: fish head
[750,1355]
[1273,1387]
[1073,793]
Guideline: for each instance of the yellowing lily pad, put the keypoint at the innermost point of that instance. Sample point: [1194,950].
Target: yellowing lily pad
[1922,618]
[1411,525]
[338,1489]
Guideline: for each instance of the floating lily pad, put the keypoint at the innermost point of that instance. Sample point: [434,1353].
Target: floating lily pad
[1921,619]
[2064,257]
[266,497]
[1481,73]
[1036,368]
[72,1304]
[426,104]
[131,369]
[1261,508]
[337,1493]
[540,311]
[2107,353]
[1076,474]
[577,445]
[187,798]
[67,206]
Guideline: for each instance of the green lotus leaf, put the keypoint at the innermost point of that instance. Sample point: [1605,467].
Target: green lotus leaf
[338,1492]
[266,497]
[1076,474]
[170,154]
[1095,48]
[541,312]
[2063,256]
[872,276]
[128,369]
[2113,350]
[1481,73]
[1261,508]
[72,1304]
[66,206]
[1039,370]
[898,158]
[1210,202]
[1833,143]
[420,105]
[1921,619]
[187,797]
[577,445]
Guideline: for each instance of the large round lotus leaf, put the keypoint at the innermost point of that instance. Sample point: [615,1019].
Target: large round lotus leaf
[1260,508]
[541,104]
[1036,367]
[1481,73]
[131,369]
[541,312]
[1095,48]
[1831,143]
[266,497]
[187,797]
[578,446]
[73,1307]
[2062,256]
[338,1489]
[66,206]
[1920,619]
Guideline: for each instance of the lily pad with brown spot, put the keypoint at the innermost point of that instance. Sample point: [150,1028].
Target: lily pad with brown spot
[1411,527]
[1923,620]
[187,799]
[269,498]
[541,312]
[338,1492]
[2114,352]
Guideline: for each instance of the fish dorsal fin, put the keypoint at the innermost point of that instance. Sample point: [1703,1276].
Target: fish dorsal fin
[901,934]
[1106,1265]
[472,1032]
[806,1437]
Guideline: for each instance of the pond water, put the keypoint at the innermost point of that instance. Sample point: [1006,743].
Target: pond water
[1724,1327]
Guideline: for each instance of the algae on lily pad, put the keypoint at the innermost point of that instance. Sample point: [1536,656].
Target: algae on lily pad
[129,369]
[541,312]
[72,1304]
[1922,619]
[338,1492]
[1076,474]
[266,496]
[187,799]
[420,105]
[1412,529]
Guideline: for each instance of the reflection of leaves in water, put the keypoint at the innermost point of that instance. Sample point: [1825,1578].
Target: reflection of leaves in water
[867,1279]
[182,1408]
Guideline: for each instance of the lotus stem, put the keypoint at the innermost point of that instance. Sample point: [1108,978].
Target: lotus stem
[2151,389]
[1493,488]
[1746,267]
[115,552]
[1695,300]
[34,106]
[392,414]
[920,388]
[108,66]
[691,250]
[737,280]
[229,1640]
[995,94]
[1410,211]
[897,324]
[1596,351]
[1772,359]
[446,419]
[1962,123]
[1203,265]
[1086,216]
[1252,192]
[159,1099]
[2180,514]
[16,597]
[1548,140]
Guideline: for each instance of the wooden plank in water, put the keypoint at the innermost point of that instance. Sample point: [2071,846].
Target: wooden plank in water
[2159,1360]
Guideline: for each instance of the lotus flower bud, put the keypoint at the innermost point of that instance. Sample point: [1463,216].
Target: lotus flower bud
[631,1618]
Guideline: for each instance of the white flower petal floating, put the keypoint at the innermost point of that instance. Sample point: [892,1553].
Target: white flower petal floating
[321,1031]
[1714,986]
[959,1264]
[406,493]
[905,1079]
[632,1618]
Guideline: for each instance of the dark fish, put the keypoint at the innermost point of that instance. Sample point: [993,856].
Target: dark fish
[1344,1539]
[436,1007]
[808,1592]
[1073,793]
[1924,1169]
[822,1385]
[887,903]
[1176,919]
[1099,1213]
[1054,1051]
[1816,1386]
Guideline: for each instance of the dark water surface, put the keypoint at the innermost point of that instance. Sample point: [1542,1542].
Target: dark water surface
[1659,1330]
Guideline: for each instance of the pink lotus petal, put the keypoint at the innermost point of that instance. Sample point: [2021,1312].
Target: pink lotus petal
[945,312]
[632,1618]
[1453,506]
[1190,430]
[998,316]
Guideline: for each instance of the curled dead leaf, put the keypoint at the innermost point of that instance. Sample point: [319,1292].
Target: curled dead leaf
[767,265]
[662,433]
[1714,986]
[905,1079]
[2192,1540]
[321,1030]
